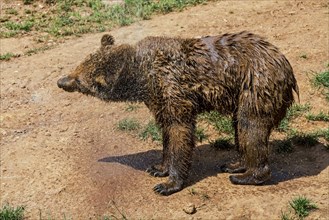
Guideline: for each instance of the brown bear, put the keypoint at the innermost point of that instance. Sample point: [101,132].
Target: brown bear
[239,74]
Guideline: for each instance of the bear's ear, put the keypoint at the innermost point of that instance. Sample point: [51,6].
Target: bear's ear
[107,40]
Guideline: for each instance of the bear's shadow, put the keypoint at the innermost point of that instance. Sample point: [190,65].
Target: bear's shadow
[207,161]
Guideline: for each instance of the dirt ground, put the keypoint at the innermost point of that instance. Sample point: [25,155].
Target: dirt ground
[62,156]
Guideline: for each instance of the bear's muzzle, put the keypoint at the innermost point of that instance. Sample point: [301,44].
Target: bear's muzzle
[68,84]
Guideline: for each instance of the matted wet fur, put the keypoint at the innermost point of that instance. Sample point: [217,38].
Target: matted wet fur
[239,74]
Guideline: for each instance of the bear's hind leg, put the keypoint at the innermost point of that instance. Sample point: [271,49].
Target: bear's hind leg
[162,170]
[253,139]
[238,166]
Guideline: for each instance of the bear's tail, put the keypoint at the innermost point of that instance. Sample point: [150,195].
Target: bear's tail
[296,88]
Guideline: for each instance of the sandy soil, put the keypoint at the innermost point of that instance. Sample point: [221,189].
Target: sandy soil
[62,156]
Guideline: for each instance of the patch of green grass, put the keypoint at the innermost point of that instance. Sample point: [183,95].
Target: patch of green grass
[222,143]
[305,139]
[322,79]
[200,134]
[298,109]
[17,26]
[284,125]
[152,131]
[119,16]
[302,206]
[6,56]
[8,34]
[294,111]
[286,216]
[8,212]
[75,17]
[318,117]
[221,123]
[128,124]
[322,133]
[224,125]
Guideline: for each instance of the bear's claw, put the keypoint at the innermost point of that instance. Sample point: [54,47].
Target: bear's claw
[227,169]
[166,189]
[237,167]
[252,177]
[153,171]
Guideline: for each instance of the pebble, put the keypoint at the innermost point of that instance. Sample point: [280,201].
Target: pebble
[190,209]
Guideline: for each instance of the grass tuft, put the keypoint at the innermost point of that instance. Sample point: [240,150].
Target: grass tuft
[151,131]
[7,56]
[304,139]
[302,206]
[221,123]
[319,117]
[128,125]
[17,26]
[322,80]
[294,111]
[322,133]
[200,134]
[8,212]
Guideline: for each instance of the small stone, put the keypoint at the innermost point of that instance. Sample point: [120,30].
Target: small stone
[190,209]
[64,129]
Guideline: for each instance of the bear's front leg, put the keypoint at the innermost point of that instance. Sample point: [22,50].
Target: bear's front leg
[180,148]
[162,170]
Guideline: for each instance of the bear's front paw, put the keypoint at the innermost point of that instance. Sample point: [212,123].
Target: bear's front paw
[167,188]
[157,171]
[237,167]
[252,177]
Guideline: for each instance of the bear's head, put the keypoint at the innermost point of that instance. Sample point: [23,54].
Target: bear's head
[103,73]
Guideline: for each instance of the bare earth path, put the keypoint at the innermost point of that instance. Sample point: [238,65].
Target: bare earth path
[62,156]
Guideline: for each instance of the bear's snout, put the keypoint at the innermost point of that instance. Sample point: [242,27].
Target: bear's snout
[67,83]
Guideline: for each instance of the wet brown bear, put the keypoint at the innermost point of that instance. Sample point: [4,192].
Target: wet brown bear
[239,74]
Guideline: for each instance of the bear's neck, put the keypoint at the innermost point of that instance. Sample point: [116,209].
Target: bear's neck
[131,85]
